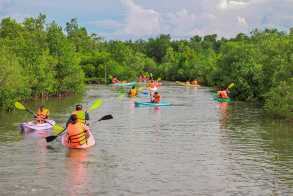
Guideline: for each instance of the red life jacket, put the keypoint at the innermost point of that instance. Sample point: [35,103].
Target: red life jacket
[156,98]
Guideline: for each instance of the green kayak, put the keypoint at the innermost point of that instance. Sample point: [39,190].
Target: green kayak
[124,84]
[221,100]
[151,104]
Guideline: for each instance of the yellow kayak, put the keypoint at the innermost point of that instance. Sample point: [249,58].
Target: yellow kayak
[186,84]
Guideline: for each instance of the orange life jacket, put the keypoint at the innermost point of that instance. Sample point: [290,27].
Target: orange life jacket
[156,98]
[223,94]
[42,115]
[77,134]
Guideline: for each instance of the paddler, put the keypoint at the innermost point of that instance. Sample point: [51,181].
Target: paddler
[115,80]
[194,82]
[156,98]
[132,92]
[42,114]
[77,132]
[223,93]
[82,116]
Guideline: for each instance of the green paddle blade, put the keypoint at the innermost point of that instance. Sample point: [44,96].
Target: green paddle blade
[231,85]
[96,104]
[57,129]
[121,96]
[19,106]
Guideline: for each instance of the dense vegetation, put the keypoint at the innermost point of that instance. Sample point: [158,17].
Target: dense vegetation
[40,59]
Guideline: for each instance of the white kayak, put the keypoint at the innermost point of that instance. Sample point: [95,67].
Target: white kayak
[32,126]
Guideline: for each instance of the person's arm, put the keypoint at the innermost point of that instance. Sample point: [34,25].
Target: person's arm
[87,116]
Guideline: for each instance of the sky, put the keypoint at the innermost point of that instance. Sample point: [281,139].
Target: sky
[141,19]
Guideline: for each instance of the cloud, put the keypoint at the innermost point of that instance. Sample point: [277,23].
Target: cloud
[133,19]
[140,21]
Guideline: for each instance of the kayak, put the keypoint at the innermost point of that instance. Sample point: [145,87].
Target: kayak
[124,84]
[151,104]
[90,142]
[221,100]
[187,85]
[153,89]
[32,126]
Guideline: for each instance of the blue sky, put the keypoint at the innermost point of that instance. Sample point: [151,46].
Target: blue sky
[135,19]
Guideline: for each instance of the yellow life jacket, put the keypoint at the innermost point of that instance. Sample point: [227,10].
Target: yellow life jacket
[132,92]
[80,116]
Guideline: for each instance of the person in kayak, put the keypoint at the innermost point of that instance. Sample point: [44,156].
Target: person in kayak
[156,98]
[77,132]
[223,93]
[194,82]
[132,92]
[42,114]
[82,116]
[115,80]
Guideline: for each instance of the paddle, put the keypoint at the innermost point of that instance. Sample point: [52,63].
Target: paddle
[231,85]
[53,137]
[20,106]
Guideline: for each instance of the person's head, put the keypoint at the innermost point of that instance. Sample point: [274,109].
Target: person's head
[156,93]
[133,87]
[41,107]
[73,118]
[78,107]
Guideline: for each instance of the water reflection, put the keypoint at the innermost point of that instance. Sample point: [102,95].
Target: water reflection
[76,165]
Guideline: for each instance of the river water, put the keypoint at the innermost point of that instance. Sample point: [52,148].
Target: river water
[194,147]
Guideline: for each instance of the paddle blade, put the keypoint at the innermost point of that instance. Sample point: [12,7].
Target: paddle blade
[96,104]
[140,88]
[57,129]
[107,117]
[19,106]
[121,96]
[51,138]
[231,85]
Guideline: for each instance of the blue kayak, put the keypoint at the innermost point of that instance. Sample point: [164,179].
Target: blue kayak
[124,84]
[151,104]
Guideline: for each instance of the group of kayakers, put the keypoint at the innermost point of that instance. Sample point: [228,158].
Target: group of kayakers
[77,129]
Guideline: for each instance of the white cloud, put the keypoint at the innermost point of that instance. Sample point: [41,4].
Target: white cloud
[140,21]
[124,19]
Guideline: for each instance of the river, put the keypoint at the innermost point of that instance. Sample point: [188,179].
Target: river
[194,147]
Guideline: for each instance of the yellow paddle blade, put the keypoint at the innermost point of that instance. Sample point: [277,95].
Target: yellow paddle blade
[121,96]
[57,129]
[96,104]
[140,88]
[231,85]
[19,106]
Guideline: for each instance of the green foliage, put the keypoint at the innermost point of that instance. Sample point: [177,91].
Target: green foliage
[13,85]
[280,99]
